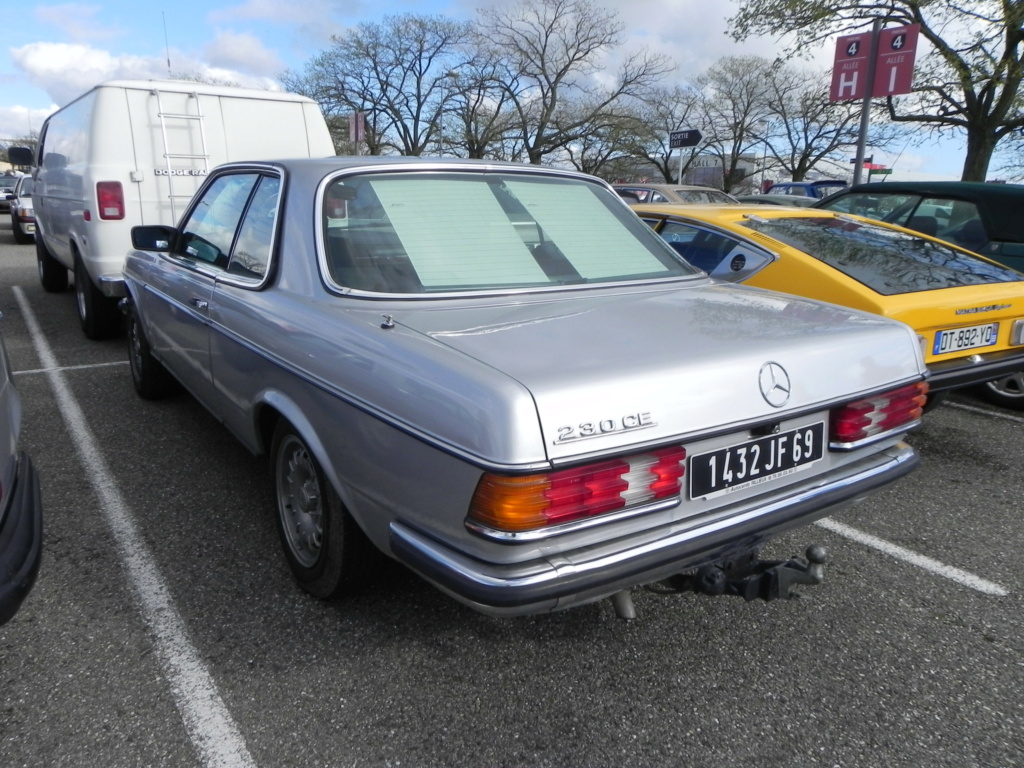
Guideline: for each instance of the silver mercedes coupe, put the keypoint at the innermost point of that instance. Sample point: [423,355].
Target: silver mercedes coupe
[498,375]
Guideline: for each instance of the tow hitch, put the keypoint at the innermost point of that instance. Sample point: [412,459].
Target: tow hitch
[752,578]
[747,577]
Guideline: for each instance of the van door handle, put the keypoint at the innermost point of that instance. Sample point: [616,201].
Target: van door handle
[199,303]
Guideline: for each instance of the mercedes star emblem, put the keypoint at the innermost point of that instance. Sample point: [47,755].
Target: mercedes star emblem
[774,384]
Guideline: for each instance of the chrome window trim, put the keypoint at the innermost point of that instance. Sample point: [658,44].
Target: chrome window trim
[320,236]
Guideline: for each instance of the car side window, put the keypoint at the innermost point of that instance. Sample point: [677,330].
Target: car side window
[251,254]
[703,249]
[894,208]
[210,230]
[657,197]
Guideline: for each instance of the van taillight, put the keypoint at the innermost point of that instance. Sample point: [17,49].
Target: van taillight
[872,417]
[531,502]
[110,199]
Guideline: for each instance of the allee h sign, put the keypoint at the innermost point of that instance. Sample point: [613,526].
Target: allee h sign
[894,63]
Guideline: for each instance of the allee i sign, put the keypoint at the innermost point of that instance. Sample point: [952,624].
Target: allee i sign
[893,64]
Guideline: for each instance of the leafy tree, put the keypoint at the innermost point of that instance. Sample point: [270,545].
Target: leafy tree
[968,82]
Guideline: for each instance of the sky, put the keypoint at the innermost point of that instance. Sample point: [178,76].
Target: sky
[54,52]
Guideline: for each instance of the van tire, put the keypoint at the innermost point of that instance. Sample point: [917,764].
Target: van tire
[52,274]
[98,314]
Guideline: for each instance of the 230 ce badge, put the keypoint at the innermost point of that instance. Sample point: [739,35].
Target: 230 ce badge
[602,427]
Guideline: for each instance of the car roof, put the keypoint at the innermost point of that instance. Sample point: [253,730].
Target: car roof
[325,165]
[1000,204]
[661,185]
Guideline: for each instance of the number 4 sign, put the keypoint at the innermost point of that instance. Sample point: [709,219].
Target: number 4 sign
[894,66]
[894,63]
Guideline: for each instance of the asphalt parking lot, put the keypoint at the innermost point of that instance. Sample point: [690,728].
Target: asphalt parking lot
[165,628]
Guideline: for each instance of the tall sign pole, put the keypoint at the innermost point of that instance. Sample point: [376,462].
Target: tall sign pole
[865,104]
[869,64]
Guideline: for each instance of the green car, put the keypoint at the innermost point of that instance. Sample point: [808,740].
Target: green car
[982,217]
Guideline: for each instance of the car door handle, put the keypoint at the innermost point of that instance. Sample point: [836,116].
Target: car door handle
[199,303]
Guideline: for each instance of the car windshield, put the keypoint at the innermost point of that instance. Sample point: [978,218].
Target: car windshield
[886,261]
[455,232]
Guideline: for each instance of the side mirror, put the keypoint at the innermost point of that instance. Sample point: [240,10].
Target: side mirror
[21,156]
[153,237]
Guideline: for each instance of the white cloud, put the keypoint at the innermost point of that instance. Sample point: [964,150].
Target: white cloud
[243,52]
[75,21]
[67,71]
[18,122]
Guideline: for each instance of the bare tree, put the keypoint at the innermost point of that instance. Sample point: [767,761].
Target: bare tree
[970,81]
[399,72]
[553,52]
[480,122]
[802,128]
[734,103]
[654,115]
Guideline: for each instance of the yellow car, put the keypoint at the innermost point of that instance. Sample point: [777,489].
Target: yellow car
[967,310]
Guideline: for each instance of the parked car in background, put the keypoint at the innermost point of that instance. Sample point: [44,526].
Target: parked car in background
[984,218]
[23,218]
[813,189]
[499,376]
[6,190]
[794,200]
[968,310]
[21,508]
[674,193]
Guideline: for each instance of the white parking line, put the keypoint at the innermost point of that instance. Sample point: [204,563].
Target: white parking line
[207,720]
[32,371]
[987,411]
[933,566]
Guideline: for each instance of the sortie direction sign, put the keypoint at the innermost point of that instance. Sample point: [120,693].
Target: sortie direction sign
[677,139]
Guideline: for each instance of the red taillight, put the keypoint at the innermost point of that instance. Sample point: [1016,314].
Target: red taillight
[525,503]
[877,415]
[110,199]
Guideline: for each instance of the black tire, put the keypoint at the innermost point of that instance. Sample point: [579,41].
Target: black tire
[52,274]
[21,237]
[328,553]
[98,314]
[1006,392]
[151,380]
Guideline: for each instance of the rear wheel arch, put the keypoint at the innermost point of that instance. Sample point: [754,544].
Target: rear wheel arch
[326,548]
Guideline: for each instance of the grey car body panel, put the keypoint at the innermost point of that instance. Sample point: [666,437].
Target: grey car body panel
[406,401]
[21,508]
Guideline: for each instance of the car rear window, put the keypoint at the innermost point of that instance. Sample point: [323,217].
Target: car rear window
[887,261]
[457,232]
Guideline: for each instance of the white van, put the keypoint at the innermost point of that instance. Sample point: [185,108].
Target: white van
[134,152]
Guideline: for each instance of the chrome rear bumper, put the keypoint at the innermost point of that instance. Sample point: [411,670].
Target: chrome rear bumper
[573,578]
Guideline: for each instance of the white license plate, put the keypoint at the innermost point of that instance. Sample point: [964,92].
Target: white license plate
[756,461]
[957,339]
